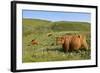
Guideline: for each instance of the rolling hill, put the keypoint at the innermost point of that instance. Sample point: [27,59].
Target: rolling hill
[38,25]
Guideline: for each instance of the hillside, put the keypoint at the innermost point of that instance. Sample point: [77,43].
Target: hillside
[37,25]
[71,26]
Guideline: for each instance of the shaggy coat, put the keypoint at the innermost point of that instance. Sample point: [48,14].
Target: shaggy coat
[72,42]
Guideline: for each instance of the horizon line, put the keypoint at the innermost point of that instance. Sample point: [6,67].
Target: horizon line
[57,20]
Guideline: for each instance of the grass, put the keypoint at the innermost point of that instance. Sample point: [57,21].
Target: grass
[47,50]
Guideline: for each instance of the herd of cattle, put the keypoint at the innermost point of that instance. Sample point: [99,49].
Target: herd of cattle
[68,42]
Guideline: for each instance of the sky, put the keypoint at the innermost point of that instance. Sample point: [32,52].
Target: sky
[57,16]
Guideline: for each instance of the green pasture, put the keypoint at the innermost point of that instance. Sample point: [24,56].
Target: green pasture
[47,50]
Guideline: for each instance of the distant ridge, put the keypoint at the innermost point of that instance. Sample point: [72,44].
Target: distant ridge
[52,21]
[57,25]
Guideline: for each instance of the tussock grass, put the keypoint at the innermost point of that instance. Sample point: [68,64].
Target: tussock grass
[47,50]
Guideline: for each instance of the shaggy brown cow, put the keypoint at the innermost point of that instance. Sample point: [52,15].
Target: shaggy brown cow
[34,42]
[72,42]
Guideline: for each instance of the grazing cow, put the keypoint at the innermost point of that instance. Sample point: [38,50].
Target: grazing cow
[72,42]
[34,42]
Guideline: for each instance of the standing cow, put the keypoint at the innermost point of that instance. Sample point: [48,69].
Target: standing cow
[72,42]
